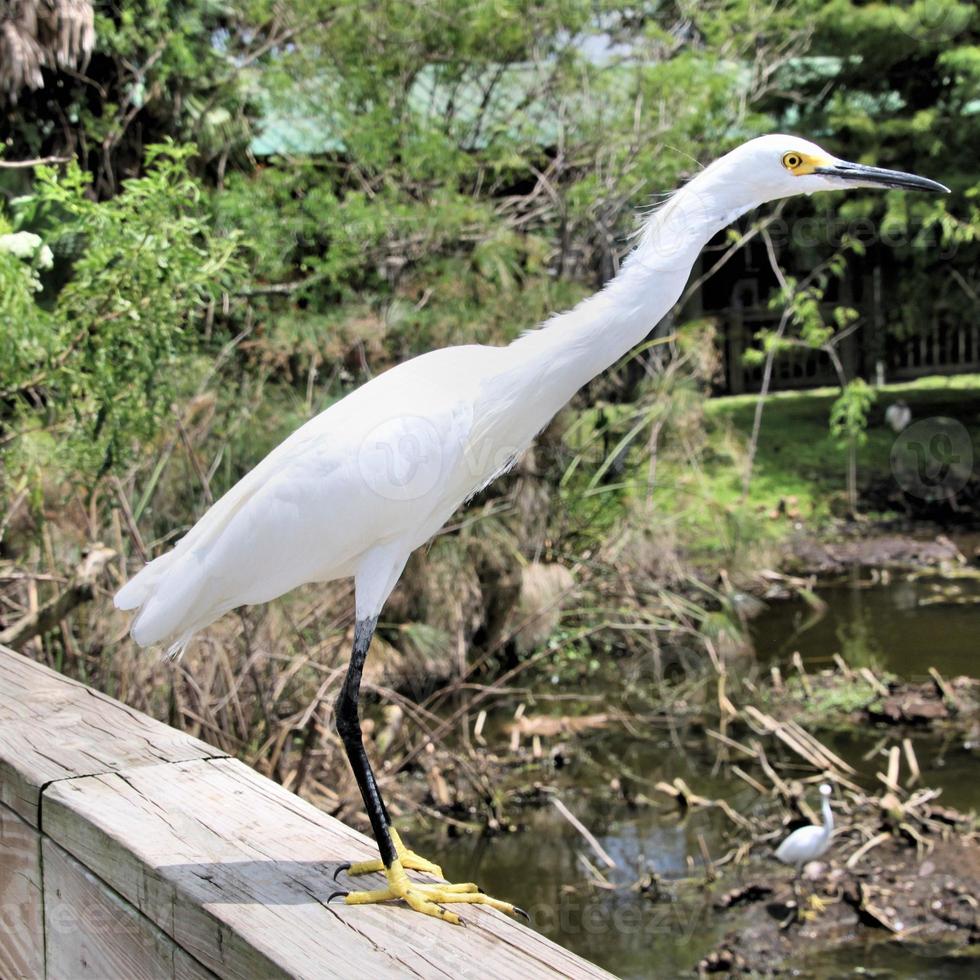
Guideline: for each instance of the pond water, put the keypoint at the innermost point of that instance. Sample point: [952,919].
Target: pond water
[541,866]
[904,627]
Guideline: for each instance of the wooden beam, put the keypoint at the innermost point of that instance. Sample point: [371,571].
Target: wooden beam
[21,928]
[186,852]
[92,934]
[53,728]
[238,872]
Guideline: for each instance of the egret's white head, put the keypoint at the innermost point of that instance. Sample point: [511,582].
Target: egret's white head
[772,167]
[825,789]
[764,169]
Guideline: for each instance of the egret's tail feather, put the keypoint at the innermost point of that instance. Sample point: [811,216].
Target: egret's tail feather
[141,586]
[169,597]
[168,593]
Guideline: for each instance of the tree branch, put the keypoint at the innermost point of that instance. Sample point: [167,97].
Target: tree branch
[80,589]
[36,162]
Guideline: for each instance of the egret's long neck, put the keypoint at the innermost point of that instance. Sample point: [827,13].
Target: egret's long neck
[574,347]
[828,818]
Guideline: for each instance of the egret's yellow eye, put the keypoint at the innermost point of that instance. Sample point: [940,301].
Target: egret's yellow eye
[792,161]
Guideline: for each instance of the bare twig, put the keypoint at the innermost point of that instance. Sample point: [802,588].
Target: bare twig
[46,617]
[35,162]
[587,835]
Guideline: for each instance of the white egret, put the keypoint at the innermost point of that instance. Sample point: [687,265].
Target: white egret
[808,843]
[898,415]
[355,490]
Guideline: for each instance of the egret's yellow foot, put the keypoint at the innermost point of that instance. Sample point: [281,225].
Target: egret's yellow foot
[424,896]
[409,860]
[817,904]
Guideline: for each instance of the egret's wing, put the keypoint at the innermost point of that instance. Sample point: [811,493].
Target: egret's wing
[137,590]
[381,464]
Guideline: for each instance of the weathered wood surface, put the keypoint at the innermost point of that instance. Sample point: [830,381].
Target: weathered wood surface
[233,866]
[211,863]
[54,728]
[21,927]
[93,934]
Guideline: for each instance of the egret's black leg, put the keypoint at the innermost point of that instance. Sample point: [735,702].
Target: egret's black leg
[349,728]
[395,858]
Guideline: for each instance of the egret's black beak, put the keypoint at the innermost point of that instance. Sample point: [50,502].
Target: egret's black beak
[861,176]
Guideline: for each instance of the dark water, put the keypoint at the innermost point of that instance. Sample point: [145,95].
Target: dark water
[903,627]
[540,867]
[906,627]
[890,960]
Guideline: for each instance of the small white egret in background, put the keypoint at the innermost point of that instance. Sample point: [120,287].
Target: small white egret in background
[358,488]
[898,415]
[808,843]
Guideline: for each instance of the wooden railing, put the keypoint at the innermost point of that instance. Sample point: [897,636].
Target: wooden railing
[129,849]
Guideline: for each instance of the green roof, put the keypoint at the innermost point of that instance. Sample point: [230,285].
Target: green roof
[306,123]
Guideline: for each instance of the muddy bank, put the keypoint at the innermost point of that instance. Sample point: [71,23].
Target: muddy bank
[847,698]
[812,556]
[901,896]
[959,509]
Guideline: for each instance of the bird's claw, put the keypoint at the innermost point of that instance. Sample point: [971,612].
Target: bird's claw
[817,906]
[428,897]
[421,896]
[410,861]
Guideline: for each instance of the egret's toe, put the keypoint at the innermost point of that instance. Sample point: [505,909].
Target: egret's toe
[409,860]
[429,897]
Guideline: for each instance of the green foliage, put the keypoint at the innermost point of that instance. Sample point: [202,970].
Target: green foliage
[798,456]
[473,170]
[95,349]
[160,70]
[897,84]
[849,412]
[826,700]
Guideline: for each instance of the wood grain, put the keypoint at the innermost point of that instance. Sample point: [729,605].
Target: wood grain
[92,934]
[238,872]
[54,728]
[21,928]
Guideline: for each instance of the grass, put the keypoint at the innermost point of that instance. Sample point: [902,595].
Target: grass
[799,473]
[798,457]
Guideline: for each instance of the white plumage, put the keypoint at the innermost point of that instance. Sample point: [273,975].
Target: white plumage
[808,843]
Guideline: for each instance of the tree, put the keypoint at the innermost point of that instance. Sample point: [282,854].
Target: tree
[142,72]
[100,303]
[849,423]
[457,177]
[897,84]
